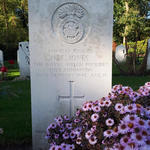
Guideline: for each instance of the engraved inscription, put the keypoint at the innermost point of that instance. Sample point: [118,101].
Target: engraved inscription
[76,63]
[70,22]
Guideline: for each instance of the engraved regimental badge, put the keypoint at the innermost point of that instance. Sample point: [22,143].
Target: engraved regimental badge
[70,22]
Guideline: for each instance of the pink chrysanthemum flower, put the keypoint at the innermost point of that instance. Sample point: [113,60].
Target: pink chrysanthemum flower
[148,124]
[132,145]
[131,126]
[108,103]
[130,108]
[59,120]
[79,140]
[53,147]
[76,120]
[93,140]
[138,138]
[116,146]
[130,118]
[88,134]
[108,133]
[52,125]
[144,133]
[89,105]
[147,84]
[115,131]
[59,147]
[72,135]
[93,128]
[70,147]
[109,122]
[64,146]
[101,103]
[69,126]
[123,128]
[124,141]
[141,123]
[66,117]
[84,107]
[119,107]
[96,108]
[56,136]
[66,135]
[94,117]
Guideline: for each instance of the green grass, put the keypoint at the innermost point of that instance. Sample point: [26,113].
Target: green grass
[133,81]
[15,112]
[15,104]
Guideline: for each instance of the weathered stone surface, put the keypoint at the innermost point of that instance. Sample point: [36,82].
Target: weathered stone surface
[1,58]
[71,58]
[120,53]
[23,58]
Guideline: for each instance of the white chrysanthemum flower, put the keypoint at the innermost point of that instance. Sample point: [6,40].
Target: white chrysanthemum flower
[93,140]
[108,103]
[109,122]
[96,108]
[94,117]
[101,103]
[119,107]
[108,133]
[89,105]
[78,141]
[84,107]
[88,134]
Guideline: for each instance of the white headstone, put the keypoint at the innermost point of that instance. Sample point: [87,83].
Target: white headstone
[120,53]
[23,58]
[1,58]
[71,58]
[148,58]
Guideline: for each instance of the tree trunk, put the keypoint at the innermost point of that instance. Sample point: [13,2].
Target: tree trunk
[144,63]
[126,27]
[4,4]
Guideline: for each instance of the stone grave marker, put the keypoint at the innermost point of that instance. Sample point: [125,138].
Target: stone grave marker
[71,58]
[148,58]
[23,59]
[1,58]
[120,53]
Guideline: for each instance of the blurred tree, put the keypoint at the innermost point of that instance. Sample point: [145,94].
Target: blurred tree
[13,27]
[131,24]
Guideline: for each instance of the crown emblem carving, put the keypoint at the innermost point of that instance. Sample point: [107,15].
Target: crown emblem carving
[71,10]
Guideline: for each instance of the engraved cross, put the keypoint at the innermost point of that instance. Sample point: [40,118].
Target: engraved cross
[71,97]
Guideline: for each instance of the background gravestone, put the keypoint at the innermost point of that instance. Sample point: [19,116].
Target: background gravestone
[23,59]
[120,53]
[1,58]
[148,58]
[71,58]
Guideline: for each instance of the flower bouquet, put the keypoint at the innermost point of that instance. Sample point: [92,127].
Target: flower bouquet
[120,121]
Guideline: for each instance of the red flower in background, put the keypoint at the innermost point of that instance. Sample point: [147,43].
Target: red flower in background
[11,62]
[3,69]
